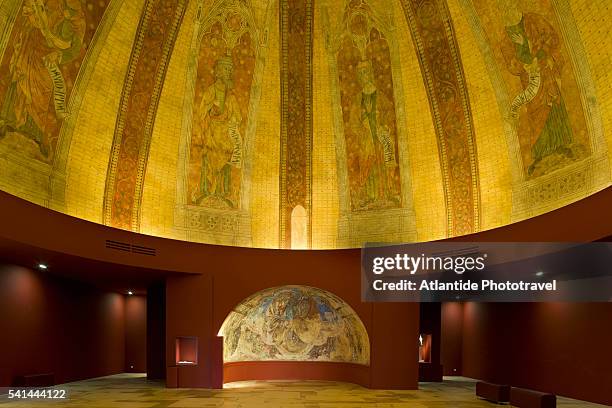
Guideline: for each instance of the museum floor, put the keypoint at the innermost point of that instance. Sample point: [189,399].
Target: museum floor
[133,391]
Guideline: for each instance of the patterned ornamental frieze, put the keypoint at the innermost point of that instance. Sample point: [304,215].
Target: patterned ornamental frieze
[438,53]
[154,42]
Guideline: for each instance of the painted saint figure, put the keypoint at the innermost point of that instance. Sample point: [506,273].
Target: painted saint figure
[371,124]
[50,37]
[532,52]
[220,139]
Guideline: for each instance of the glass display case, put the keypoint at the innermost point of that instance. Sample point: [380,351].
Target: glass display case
[186,350]
[424,348]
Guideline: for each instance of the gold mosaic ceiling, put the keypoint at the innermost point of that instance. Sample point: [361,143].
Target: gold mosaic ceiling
[305,123]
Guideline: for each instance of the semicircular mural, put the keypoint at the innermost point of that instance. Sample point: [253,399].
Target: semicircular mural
[294,323]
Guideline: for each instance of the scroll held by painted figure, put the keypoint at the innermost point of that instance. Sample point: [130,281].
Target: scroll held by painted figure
[368,112]
[40,65]
[223,90]
[545,103]
[294,323]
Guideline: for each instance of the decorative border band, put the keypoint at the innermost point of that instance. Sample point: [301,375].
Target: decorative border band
[438,53]
[155,38]
[295,176]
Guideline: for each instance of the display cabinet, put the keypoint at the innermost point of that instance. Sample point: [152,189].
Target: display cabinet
[425,348]
[186,350]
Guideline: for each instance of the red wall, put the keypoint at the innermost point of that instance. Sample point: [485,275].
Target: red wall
[394,353]
[189,313]
[156,331]
[24,223]
[452,338]
[135,334]
[563,348]
[52,325]
[198,305]
[290,370]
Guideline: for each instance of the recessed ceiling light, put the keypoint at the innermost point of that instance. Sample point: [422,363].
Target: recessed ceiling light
[539,273]
[130,292]
[42,266]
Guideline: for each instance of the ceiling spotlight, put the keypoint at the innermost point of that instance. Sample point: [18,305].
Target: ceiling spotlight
[539,273]
[42,266]
[130,292]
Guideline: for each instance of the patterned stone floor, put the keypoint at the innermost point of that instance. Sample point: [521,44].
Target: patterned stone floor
[134,391]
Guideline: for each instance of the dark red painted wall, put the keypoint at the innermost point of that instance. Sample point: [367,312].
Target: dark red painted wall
[452,338]
[563,348]
[156,331]
[394,333]
[189,313]
[136,334]
[290,370]
[24,223]
[52,325]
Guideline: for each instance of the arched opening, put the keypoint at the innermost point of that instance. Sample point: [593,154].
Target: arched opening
[299,228]
[295,332]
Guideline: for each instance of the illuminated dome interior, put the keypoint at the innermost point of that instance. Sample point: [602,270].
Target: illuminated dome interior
[322,124]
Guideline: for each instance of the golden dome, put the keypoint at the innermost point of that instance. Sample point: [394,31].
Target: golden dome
[305,124]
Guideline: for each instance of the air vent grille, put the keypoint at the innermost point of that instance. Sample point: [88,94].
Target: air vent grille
[126,247]
[121,246]
[137,249]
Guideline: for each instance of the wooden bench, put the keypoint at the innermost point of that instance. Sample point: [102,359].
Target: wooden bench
[493,392]
[522,398]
